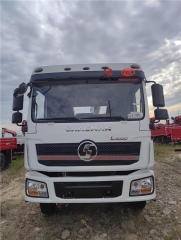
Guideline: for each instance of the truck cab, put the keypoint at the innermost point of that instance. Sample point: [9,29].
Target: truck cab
[88,134]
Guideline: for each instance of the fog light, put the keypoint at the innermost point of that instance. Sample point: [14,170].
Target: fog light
[36,189]
[142,187]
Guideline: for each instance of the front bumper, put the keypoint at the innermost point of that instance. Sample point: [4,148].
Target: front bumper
[123,197]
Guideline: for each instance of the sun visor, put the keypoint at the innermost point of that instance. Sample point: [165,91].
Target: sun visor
[108,73]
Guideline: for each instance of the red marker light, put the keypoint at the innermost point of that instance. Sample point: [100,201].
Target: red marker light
[128,72]
[108,72]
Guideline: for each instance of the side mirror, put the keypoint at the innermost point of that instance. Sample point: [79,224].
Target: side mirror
[21,90]
[161,114]
[18,103]
[157,95]
[17,117]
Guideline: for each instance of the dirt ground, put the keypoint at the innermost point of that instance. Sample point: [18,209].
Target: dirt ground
[161,219]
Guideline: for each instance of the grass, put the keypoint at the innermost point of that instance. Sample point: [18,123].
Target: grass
[163,151]
[13,170]
[17,164]
[166,154]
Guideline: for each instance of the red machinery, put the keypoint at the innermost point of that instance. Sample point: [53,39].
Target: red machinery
[5,130]
[168,132]
[24,127]
[6,147]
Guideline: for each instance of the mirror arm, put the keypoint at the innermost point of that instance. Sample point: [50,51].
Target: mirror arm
[20,125]
[150,82]
[157,121]
[29,94]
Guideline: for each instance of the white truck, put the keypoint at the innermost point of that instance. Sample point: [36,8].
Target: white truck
[88,134]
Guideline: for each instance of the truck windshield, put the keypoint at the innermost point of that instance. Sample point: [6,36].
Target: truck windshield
[87,102]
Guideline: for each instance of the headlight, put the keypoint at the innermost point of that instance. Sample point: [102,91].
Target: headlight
[36,189]
[142,186]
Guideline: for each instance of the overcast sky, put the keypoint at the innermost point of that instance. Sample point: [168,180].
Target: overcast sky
[37,33]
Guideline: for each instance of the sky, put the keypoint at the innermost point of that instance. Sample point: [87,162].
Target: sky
[40,33]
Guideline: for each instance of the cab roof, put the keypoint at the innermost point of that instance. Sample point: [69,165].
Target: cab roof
[85,67]
[98,70]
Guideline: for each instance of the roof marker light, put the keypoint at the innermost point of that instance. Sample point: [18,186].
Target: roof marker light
[135,66]
[86,68]
[128,72]
[108,72]
[38,70]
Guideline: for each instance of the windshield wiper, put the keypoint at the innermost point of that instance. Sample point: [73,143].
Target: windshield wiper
[59,119]
[112,118]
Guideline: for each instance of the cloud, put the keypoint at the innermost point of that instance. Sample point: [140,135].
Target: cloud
[36,33]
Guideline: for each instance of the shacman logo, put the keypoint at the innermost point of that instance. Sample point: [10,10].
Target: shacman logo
[87,151]
[88,128]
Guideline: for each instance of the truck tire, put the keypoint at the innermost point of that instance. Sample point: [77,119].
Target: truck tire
[2,161]
[8,157]
[48,208]
[138,205]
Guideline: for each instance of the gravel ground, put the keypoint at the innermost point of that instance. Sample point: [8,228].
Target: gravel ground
[161,219]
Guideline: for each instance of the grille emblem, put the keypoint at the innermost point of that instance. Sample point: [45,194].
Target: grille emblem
[87,151]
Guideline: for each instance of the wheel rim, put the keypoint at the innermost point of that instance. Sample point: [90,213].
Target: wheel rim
[2,163]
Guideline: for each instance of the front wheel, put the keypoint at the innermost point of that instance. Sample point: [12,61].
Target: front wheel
[138,205]
[48,208]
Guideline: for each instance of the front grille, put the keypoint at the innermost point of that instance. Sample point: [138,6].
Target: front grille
[64,150]
[125,148]
[103,148]
[74,190]
[59,149]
